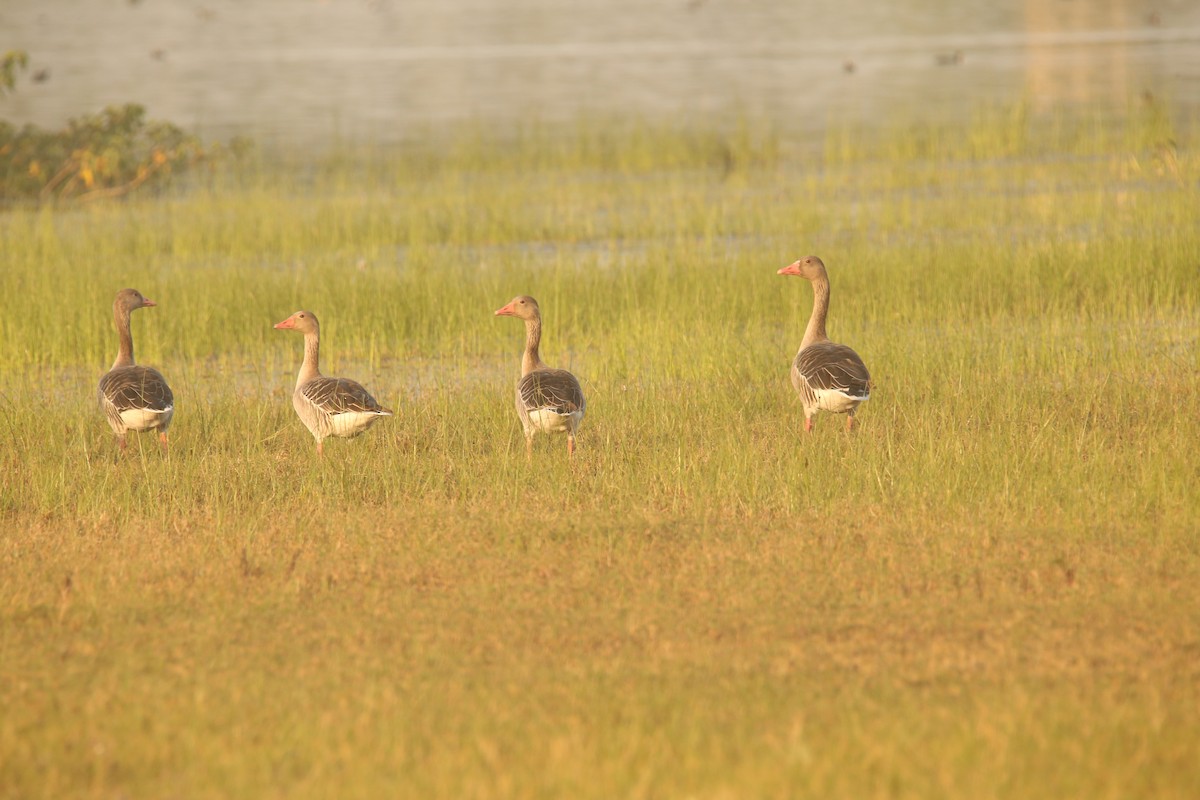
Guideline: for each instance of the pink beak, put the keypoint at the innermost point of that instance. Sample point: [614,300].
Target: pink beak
[507,311]
[290,322]
[146,301]
[790,269]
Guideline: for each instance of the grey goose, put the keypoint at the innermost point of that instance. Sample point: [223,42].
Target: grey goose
[133,397]
[828,376]
[548,400]
[328,406]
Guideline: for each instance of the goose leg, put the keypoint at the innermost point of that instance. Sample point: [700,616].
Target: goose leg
[570,445]
[529,449]
[121,443]
[162,440]
[808,424]
[849,422]
[320,448]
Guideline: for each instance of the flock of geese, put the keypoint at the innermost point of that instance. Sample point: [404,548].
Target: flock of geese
[827,376]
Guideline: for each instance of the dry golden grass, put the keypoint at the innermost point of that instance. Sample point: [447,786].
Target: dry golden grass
[440,652]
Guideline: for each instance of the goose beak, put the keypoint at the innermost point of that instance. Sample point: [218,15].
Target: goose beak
[148,303]
[287,323]
[790,269]
[507,311]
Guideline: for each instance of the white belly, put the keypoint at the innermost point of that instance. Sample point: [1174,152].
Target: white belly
[350,423]
[144,419]
[547,421]
[835,401]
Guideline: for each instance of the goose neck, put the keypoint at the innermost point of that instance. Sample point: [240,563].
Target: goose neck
[124,336]
[815,332]
[312,354]
[532,360]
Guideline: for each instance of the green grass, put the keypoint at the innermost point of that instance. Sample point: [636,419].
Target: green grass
[991,589]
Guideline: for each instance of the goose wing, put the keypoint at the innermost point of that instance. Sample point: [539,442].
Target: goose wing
[341,396]
[135,387]
[552,389]
[835,367]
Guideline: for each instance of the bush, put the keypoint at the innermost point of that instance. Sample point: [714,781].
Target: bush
[14,61]
[100,155]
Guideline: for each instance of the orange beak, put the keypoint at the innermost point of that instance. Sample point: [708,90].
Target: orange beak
[147,302]
[290,322]
[791,269]
[507,311]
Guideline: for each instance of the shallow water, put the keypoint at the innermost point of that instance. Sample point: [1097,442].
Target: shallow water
[304,73]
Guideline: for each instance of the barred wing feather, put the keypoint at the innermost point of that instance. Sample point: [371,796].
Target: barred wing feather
[833,367]
[135,388]
[551,389]
[341,396]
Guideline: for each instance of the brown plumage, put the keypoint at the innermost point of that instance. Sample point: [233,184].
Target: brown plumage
[825,365]
[827,376]
[553,389]
[133,397]
[548,400]
[340,395]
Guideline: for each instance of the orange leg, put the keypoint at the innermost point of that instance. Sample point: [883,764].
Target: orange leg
[808,424]
[570,446]
[529,449]
[320,448]
[849,423]
[162,440]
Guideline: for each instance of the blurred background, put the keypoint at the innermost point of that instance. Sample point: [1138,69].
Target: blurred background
[309,73]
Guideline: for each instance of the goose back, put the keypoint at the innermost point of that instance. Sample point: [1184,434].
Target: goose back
[830,377]
[550,399]
[136,398]
[336,407]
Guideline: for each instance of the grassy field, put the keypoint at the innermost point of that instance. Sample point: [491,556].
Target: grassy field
[990,590]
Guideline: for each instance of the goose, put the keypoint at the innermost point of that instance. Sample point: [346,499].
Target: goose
[828,376]
[328,406]
[548,400]
[134,398]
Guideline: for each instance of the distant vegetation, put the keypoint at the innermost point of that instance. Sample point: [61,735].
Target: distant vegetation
[108,154]
[12,64]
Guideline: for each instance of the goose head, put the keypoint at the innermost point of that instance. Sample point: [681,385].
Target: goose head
[303,321]
[809,268]
[131,299]
[523,306]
